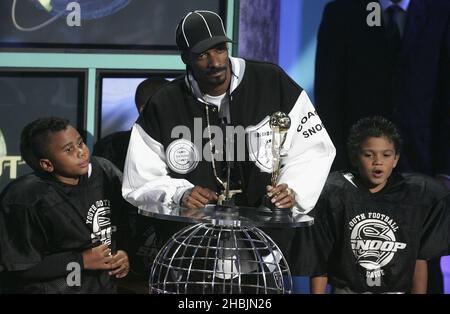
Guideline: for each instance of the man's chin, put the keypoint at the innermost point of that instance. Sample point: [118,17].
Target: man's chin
[217,80]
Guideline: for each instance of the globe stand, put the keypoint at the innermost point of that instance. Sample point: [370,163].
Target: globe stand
[211,258]
[224,253]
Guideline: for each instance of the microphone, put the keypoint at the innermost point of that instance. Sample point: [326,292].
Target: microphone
[229,161]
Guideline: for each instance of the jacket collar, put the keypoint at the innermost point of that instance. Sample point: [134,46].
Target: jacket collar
[237,75]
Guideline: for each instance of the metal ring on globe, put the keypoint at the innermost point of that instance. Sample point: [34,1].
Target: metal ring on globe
[182,156]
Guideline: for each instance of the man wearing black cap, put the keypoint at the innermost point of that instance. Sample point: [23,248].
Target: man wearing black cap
[219,91]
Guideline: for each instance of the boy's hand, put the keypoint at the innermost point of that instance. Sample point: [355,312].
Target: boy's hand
[98,257]
[120,265]
[281,195]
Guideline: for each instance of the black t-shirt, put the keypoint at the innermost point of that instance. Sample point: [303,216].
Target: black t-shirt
[369,242]
[41,217]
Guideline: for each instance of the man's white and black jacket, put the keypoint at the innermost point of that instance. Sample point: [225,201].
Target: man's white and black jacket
[160,166]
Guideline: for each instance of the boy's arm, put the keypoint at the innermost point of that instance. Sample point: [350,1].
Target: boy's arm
[318,285]
[435,236]
[420,279]
[23,237]
[60,264]
[53,266]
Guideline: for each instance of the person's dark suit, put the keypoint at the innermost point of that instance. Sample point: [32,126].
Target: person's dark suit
[358,76]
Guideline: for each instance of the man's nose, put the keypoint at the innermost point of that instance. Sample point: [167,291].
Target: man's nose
[213,60]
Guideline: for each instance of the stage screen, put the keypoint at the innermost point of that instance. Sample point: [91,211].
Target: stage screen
[118,109]
[26,97]
[96,24]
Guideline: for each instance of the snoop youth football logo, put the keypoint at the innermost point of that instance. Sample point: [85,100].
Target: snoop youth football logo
[373,242]
[99,217]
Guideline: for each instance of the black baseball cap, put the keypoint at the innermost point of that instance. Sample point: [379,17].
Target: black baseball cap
[199,31]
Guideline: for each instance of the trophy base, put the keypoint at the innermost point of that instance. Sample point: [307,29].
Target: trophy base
[226,211]
[277,213]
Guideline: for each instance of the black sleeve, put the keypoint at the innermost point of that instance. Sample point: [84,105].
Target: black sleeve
[52,266]
[123,214]
[323,235]
[329,84]
[23,238]
[150,119]
[435,239]
[315,243]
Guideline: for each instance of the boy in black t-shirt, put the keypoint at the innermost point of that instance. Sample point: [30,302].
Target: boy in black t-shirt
[62,228]
[375,229]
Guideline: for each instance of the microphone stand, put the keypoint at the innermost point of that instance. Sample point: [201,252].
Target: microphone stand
[229,148]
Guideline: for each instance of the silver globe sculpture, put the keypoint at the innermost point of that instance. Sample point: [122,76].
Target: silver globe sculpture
[208,258]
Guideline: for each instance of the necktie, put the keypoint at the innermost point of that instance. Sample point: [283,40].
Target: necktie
[393,30]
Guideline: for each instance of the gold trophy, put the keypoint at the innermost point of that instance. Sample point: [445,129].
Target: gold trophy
[279,124]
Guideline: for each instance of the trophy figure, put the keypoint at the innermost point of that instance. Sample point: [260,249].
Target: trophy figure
[226,197]
[279,124]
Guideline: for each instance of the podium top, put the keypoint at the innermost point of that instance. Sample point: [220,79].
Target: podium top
[227,216]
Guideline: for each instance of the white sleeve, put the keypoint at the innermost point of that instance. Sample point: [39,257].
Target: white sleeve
[310,154]
[146,179]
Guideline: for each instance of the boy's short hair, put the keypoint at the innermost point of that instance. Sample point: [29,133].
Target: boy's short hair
[372,127]
[34,137]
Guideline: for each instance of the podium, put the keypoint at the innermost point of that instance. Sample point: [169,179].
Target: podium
[223,252]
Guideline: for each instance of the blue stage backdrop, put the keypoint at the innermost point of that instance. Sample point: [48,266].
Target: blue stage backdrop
[259,22]
[27,96]
[118,109]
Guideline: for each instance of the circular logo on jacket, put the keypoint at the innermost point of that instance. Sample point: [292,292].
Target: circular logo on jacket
[182,156]
[374,243]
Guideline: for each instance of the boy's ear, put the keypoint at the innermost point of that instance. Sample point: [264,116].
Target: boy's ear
[46,165]
[396,158]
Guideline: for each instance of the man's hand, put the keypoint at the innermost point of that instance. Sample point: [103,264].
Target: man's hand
[120,264]
[199,197]
[281,195]
[98,257]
